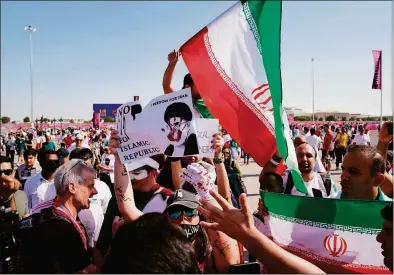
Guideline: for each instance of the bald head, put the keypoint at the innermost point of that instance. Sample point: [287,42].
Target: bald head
[306,158]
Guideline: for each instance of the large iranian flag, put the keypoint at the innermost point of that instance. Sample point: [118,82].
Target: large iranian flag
[235,63]
[339,236]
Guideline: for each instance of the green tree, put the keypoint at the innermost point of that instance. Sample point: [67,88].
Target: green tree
[26,119]
[331,118]
[352,119]
[4,119]
[72,121]
[344,118]
[109,119]
[320,119]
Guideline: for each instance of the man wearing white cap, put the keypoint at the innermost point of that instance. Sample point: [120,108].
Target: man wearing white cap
[79,143]
[148,195]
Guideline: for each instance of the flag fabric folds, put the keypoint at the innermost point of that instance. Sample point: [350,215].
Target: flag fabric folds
[337,235]
[235,64]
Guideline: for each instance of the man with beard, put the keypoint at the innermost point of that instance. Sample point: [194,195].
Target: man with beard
[363,171]
[316,185]
[148,195]
[178,118]
[61,240]
[40,188]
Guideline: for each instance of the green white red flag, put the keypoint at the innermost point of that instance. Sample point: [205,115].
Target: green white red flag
[339,236]
[235,63]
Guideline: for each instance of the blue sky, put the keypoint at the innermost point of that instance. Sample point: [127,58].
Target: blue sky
[107,52]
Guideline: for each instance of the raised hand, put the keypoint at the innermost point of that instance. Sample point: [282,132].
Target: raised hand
[217,144]
[202,176]
[114,142]
[173,57]
[234,222]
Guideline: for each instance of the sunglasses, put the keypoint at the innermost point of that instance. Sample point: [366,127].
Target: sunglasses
[8,172]
[187,213]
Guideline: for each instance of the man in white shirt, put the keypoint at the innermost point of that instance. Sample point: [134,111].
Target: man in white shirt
[316,185]
[314,140]
[107,164]
[79,143]
[40,188]
[361,138]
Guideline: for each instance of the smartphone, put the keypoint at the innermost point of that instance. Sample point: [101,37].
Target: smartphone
[248,268]
[390,128]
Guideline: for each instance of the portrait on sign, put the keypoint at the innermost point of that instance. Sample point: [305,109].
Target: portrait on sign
[183,141]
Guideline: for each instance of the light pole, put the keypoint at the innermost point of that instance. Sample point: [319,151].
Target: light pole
[313,90]
[30,29]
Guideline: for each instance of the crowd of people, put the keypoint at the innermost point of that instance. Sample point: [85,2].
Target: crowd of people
[81,210]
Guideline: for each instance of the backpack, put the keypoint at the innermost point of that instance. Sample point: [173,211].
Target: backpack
[316,193]
[27,236]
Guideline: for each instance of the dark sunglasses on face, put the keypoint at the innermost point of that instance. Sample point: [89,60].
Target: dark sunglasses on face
[8,172]
[188,213]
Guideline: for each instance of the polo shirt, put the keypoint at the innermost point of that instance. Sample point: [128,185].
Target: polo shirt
[49,146]
[38,190]
[24,172]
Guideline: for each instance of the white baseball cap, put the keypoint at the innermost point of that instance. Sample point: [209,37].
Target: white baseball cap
[142,162]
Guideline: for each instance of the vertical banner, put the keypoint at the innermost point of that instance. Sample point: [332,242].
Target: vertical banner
[377,76]
[96,120]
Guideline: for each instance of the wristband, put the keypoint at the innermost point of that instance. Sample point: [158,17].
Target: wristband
[217,160]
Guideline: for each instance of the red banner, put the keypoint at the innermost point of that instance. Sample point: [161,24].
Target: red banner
[377,77]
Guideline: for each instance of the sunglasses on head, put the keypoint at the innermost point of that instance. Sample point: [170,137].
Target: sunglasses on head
[187,213]
[8,172]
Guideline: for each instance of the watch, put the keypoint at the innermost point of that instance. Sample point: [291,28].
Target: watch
[217,160]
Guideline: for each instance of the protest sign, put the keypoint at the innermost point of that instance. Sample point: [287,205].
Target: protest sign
[125,120]
[166,125]
[125,117]
[206,128]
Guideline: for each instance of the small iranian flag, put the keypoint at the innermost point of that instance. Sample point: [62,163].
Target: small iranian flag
[339,236]
[235,63]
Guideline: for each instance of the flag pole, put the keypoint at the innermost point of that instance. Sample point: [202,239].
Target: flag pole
[381,87]
[313,91]
[381,108]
